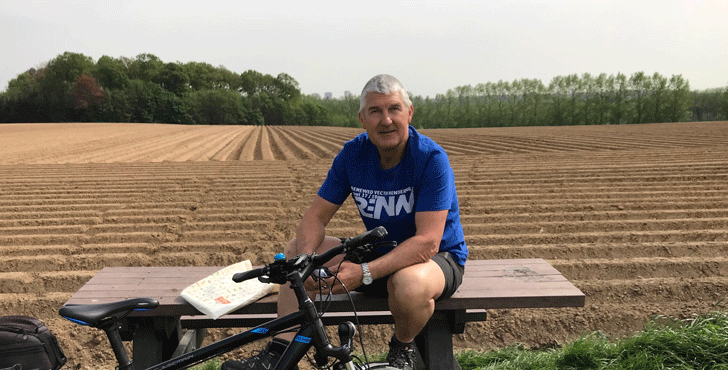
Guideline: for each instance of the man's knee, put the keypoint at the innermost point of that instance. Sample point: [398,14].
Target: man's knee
[290,249]
[423,281]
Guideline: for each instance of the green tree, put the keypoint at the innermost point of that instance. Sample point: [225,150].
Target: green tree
[116,107]
[56,80]
[464,106]
[620,100]
[485,93]
[708,105]
[219,107]
[173,78]
[229,80]
[145,67]
[172,109]
[587,91]
[111,73]
[143,98]
[202,76]
[558,90]
[533,95]
[516,104]
[501,96]
[573,86]
[314,114]
[604,88]
[276,98]
[678,98]
[286,87]
[658,98]
[639,83]
[22,101]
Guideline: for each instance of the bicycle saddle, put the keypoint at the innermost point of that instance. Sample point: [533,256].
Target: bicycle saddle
[95,314]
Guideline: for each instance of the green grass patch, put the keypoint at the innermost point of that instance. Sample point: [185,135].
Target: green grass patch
[664,343]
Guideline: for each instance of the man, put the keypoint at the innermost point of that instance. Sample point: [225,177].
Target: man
[403,181]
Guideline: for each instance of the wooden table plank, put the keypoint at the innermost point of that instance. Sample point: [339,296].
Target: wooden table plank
[512,283]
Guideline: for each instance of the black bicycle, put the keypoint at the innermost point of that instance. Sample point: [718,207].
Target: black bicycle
[306,321]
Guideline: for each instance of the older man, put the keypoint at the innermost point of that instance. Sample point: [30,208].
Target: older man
[401,180]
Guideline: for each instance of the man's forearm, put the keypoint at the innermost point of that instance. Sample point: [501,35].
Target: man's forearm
[310,234]
[417,249]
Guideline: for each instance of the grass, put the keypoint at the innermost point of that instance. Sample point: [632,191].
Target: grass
[664,343]
[700,343]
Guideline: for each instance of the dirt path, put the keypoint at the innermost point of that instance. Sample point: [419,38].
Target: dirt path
[635,216]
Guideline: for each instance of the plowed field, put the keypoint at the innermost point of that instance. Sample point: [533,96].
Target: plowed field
[635,216]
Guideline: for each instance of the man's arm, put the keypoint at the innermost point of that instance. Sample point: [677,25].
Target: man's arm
[312,229]
[417,249]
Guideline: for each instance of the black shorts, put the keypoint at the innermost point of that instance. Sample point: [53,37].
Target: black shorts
[452,271]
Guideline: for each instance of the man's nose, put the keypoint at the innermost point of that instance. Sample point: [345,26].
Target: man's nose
[387,118]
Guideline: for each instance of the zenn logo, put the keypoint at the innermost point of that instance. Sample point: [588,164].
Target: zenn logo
[371,203]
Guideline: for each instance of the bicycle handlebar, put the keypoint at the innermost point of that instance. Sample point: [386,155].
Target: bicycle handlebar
[285,267]
[247,275]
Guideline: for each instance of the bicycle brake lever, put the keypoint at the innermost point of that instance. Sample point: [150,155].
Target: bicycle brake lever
[389,244]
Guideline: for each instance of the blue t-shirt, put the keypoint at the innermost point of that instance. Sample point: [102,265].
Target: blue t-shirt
[422,181]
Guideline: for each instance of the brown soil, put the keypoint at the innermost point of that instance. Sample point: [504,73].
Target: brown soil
[635,216]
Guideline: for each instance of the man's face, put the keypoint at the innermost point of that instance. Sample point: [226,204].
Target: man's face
[386,119]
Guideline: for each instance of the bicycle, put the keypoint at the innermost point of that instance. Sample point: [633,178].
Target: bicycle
[306,321]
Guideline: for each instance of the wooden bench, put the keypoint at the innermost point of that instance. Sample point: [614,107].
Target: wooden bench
[176,326]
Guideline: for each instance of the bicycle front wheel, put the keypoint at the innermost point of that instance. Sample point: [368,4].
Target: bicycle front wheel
[377,366]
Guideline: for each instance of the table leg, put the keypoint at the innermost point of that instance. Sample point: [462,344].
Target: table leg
[154,339]
[434,343]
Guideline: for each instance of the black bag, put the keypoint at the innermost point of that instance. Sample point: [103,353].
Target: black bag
[27,344]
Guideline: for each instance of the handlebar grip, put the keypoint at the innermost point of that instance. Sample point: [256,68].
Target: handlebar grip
[370,236]
[247,275]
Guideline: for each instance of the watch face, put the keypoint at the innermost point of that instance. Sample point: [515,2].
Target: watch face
[367,280]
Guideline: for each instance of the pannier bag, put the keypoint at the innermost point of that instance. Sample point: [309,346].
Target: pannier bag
[27,344]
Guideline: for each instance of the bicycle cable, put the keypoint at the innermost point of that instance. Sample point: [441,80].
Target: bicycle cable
[329,297]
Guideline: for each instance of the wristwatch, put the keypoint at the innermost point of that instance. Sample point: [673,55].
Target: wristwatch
[366,278]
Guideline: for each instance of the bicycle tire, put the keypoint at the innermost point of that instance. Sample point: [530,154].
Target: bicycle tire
[377,366]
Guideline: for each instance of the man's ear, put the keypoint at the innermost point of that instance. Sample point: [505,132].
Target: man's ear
[361,118]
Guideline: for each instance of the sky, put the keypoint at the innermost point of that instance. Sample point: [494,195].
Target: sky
[431,46]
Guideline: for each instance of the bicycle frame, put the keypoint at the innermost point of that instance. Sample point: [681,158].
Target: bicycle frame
[292,356]
[311,332]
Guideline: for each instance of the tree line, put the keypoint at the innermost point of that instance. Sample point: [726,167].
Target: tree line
[73,87]
[573,100]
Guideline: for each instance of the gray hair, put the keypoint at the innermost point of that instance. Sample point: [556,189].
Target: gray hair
[383,84]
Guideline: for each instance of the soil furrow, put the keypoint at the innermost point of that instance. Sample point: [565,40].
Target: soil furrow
[636,216]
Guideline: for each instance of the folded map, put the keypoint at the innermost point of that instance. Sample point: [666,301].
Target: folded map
[218,294]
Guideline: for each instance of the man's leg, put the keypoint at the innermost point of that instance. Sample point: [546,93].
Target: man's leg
[412,294]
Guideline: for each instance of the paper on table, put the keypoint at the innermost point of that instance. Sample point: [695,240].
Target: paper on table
[218,294]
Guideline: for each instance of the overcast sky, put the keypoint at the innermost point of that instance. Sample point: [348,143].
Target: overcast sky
[430,45]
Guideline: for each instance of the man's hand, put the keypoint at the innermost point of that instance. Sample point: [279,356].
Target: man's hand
[350,274]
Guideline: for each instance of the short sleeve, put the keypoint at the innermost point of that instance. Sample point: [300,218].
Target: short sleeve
[336,187]
[437,185]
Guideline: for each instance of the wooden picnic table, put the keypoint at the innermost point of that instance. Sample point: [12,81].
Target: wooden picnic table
[159,334]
